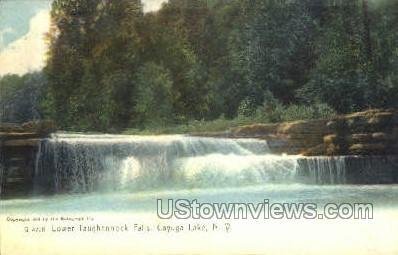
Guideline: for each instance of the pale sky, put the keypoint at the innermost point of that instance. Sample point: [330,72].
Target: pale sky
[23,24]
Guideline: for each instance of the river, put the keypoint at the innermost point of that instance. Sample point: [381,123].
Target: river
[98,194]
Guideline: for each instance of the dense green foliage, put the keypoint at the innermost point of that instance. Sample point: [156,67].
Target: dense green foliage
[111,66]
[21,97]
[153,96]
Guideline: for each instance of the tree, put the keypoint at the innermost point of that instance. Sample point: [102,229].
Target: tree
[279,48]
[344,75]
[21,97]
[153,96]
[92,44]
[212,58]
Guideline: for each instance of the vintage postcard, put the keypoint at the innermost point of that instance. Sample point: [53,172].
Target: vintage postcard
[198,127]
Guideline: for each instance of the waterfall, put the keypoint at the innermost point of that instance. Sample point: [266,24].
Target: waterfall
[85,163]
[323,170]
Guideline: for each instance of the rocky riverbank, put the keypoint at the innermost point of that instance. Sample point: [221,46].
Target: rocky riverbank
[373,132]
[18,148]
[369,140]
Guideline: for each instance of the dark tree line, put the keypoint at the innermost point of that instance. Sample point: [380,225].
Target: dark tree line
[21,97]
[112,66]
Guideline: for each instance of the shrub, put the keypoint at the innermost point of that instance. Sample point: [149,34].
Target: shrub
[247,107]
[281,113]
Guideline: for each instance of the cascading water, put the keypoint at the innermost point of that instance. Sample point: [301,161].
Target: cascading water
[84,163]
[127,175]
[323,170]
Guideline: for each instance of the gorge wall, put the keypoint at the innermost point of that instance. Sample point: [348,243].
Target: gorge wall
[373,132]
[359,148]
[366,141]
[18,150]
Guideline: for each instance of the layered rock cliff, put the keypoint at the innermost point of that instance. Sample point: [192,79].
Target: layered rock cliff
[373,132]
[18,148]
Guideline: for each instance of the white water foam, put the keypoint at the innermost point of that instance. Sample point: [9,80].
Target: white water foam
[84,163]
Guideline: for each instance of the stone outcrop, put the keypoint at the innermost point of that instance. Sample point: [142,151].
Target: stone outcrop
[18,147]
[290,138]
[373,132]
[365,133]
